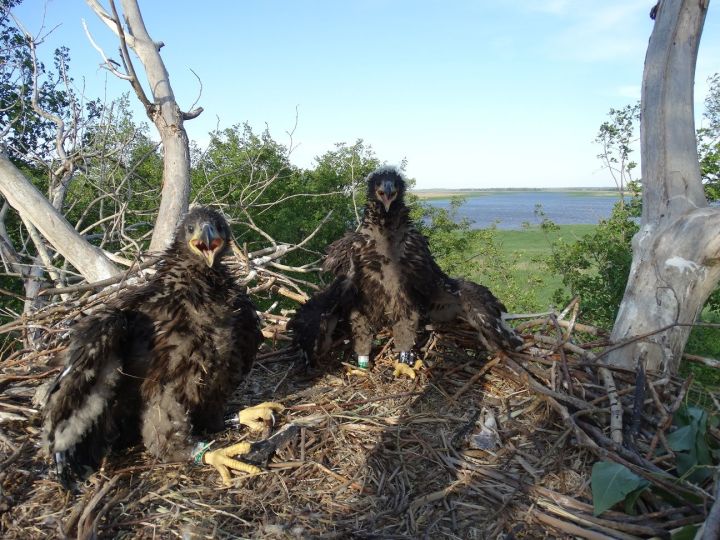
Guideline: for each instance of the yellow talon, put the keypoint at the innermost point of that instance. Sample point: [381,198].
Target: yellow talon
[254,417]
[353,370]
[404,369]
[221,460]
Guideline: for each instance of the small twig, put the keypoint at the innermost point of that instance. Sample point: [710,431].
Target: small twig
[475,378]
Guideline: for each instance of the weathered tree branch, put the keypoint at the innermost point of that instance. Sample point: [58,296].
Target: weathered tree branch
[89,260]
[163,111]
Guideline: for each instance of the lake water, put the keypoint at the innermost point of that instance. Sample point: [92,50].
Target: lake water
[509,209]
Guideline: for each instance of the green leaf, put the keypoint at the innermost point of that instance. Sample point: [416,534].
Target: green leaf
[611,483]
[682,439]
[686,533]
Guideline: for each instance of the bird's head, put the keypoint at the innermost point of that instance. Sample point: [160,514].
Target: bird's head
[386,186]
[206,234]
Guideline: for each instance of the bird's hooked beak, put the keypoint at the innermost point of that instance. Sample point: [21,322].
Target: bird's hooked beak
[386,194]
[206,242]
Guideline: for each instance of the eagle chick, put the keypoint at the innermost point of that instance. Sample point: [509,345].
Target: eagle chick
[158,363]
[385,276]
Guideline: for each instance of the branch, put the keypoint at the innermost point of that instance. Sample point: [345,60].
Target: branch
[670,166]
[108,20]
[31,205]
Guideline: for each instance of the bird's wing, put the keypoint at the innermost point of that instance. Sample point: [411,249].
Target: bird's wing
[485,312]
[343,253]
[315,322]
[422,274]
[246,335]
[77,421]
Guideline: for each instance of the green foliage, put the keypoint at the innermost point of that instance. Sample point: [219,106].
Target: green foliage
[612,483]
[251,176]
[693,455]
[596,267]
[32,136]
[616,137]
[449,237]
[708,138]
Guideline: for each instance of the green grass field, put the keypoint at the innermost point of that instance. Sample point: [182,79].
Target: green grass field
[525,248]
[529,245]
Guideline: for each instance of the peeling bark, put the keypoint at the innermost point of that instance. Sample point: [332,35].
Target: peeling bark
[676,251]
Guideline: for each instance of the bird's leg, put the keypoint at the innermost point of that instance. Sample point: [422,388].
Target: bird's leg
[166,433]
[257,452]
[222,461]
[404,332]
[222,458]
[255,417]
[362,337]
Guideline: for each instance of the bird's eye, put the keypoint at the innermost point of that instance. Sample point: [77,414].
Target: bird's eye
[190,229]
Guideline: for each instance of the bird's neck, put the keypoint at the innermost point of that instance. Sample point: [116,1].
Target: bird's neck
[375,214]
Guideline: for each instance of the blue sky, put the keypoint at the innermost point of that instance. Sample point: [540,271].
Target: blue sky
[474,94]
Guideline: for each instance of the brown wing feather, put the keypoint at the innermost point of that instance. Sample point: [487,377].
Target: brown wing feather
[78,422]
[342,254]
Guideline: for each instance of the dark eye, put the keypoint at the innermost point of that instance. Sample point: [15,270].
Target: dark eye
[191,229]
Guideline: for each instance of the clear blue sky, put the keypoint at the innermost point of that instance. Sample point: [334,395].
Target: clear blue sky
[472,93]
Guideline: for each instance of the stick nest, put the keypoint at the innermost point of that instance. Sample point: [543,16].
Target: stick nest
[476,446]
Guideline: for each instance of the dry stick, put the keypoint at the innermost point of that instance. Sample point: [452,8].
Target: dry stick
[663,424]
[569,528]
[711,362]
[575,301]
[566,500]
[560,342]
[83,534]
[607,525]
[82,287]
[475,378]
[518,373]
[341,478]
[616,411]
[314,406]
[573,323]
[569,325]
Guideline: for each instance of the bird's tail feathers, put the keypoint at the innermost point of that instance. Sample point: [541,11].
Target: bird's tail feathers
[485,313]
[77,423]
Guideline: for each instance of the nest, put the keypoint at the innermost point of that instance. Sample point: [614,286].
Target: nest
[476,446]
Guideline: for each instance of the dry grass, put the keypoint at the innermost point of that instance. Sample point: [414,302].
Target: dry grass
[374,457]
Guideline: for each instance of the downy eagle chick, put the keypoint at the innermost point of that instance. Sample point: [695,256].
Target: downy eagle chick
[158,363]
[385,276]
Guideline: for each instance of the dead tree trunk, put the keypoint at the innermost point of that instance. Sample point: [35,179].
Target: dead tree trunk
[163,111]
[676,253]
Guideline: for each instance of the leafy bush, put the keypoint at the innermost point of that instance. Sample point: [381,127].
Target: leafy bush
[476,254]
[597,266]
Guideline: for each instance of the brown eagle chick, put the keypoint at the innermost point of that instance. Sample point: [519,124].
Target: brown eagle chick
[387,277]
[158,363]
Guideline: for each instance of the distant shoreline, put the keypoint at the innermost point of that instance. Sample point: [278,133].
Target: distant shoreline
[438,193]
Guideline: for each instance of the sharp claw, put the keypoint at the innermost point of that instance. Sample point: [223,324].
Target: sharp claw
[221,460]
[404,369]
[254,417]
